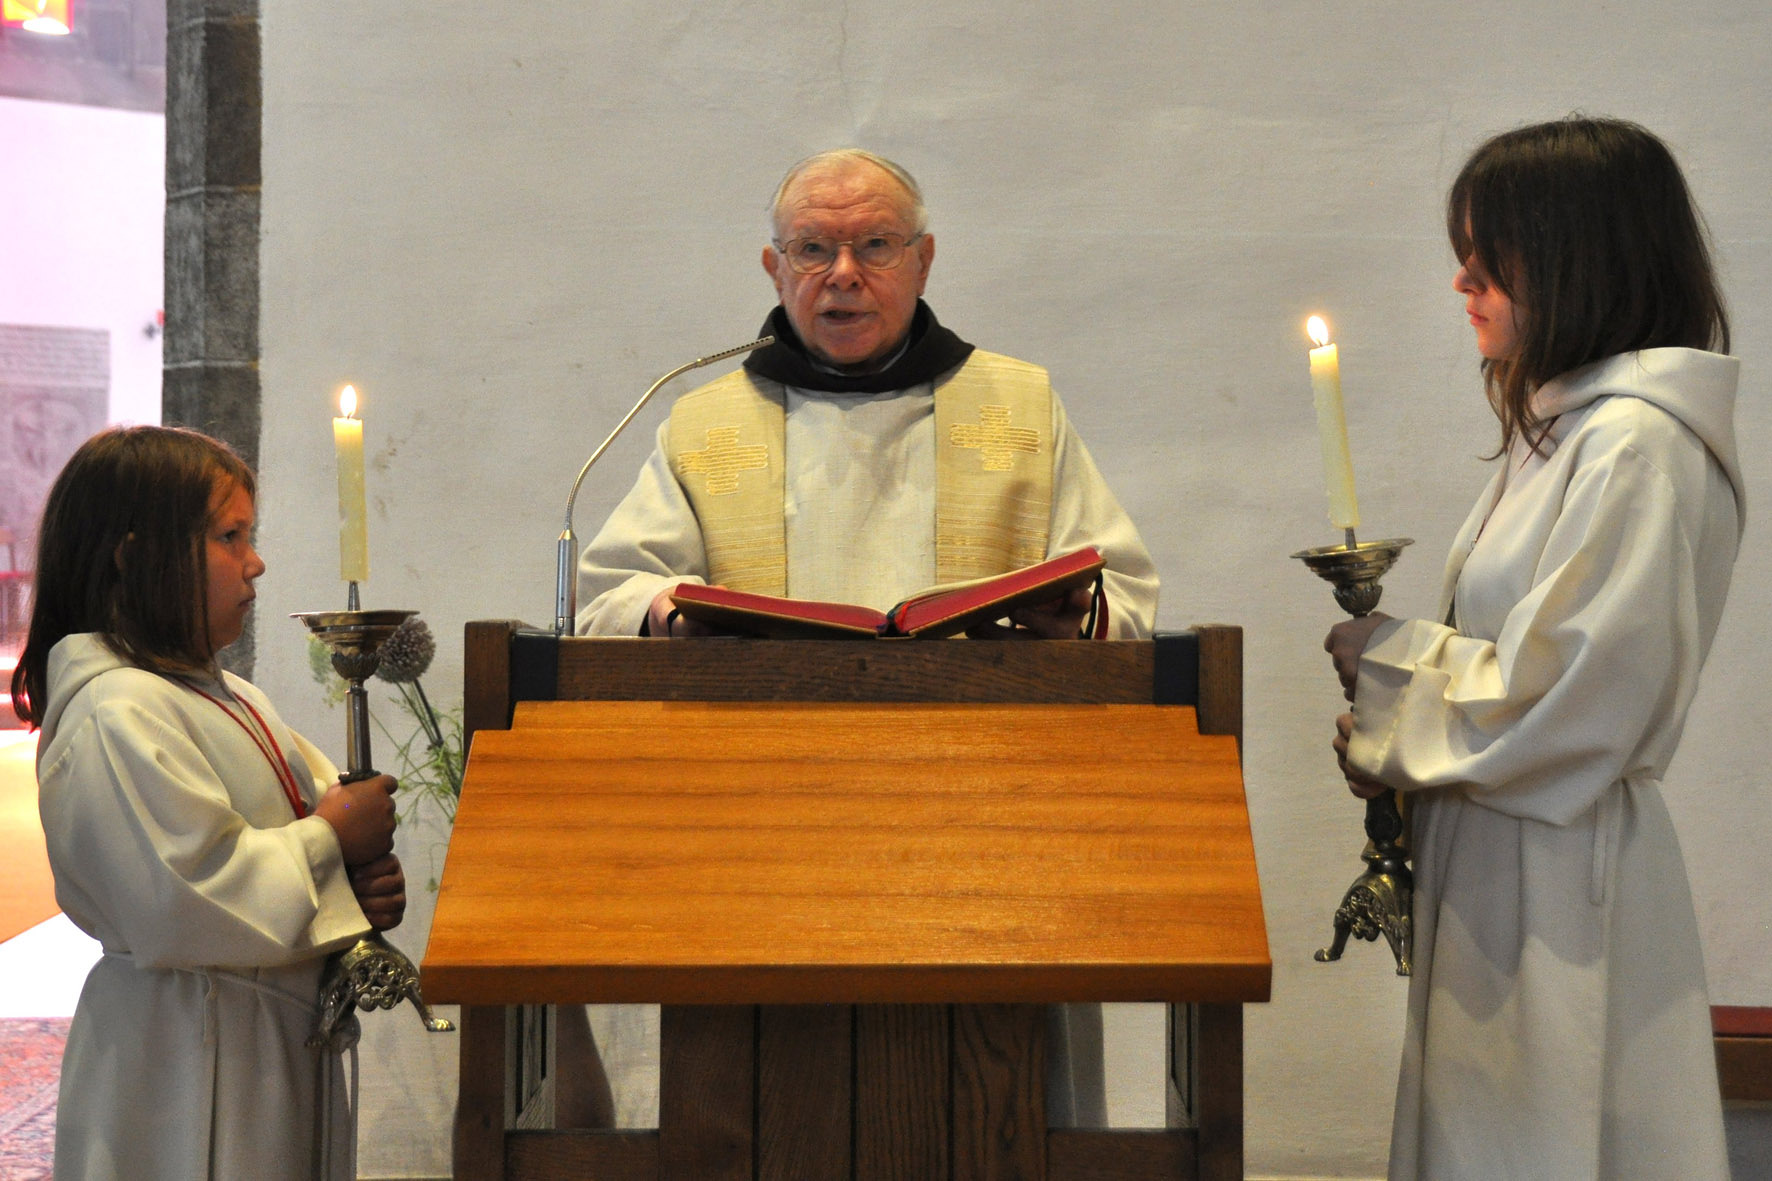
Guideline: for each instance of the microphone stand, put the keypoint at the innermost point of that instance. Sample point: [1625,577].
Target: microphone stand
[566,549]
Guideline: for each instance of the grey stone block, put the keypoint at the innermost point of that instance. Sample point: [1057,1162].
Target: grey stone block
[219,400]
[212,277]
[214,104]
[187,116]
[230,276]
[186,11]
[233,87]
[184,266]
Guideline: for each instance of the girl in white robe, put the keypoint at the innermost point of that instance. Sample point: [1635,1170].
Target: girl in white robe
[197,838]
[1558,1021]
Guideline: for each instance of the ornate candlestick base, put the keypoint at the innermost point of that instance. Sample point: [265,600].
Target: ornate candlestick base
[1381,899]
[373,973]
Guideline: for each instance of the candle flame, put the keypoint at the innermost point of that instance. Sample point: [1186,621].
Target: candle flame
[347,401]
[1318,330]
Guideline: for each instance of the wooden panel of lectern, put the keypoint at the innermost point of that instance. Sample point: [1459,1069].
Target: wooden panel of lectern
[853,873]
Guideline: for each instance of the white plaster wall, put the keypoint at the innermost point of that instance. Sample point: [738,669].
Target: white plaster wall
[82,201]
[504,231]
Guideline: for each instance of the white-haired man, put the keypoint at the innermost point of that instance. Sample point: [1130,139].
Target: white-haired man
[870,452]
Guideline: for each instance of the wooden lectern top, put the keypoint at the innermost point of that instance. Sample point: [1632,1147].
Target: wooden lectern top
[784,853]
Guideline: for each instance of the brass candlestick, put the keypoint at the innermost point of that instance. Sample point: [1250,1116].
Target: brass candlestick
[1380,900]
[373,973]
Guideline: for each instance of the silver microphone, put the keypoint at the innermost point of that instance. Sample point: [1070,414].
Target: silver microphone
[566,550]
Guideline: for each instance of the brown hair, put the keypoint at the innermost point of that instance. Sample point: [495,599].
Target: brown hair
[120,552]
[1588,227]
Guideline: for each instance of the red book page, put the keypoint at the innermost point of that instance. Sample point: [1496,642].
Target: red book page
[747,613]
[941,611]
[946,612]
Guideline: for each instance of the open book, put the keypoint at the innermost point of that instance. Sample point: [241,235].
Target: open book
[934,613]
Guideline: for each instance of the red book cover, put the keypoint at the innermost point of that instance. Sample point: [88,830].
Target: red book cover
[933,614]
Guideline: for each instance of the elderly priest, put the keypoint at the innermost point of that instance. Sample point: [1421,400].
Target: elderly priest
[870,452]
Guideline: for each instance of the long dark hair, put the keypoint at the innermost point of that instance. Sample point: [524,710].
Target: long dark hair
[120,552]
[1587,226]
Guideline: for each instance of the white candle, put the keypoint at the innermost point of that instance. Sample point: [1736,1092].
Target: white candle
[353,515]
[1338,464]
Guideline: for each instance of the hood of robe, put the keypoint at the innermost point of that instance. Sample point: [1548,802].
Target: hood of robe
[73,663]
[1694,386]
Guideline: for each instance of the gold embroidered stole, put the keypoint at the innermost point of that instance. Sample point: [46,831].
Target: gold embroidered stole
[993,467]
[993,472]
[727,442]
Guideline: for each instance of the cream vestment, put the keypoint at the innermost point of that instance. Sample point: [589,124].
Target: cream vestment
[173,845]
[1558,1020]
[862,498]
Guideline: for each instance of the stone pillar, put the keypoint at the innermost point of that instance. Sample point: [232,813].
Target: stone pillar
[213,180]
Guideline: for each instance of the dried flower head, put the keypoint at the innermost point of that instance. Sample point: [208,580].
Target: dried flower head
[407,653]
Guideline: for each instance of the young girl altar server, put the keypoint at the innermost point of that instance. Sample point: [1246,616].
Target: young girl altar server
[1558,1025]
[197,838]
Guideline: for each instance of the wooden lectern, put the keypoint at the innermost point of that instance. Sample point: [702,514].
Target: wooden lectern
[853,873]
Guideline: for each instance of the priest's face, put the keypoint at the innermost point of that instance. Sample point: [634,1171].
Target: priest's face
[233,566]
[849,316]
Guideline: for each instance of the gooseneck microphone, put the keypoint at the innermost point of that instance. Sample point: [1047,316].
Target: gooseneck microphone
[566,551]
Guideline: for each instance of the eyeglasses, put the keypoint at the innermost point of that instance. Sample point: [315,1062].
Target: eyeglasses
[876,252]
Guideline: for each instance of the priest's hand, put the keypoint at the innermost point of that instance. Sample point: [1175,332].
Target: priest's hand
[1060,619]
[1346,641]
[659,622]
[1358,782]
[362,814]
[380,887]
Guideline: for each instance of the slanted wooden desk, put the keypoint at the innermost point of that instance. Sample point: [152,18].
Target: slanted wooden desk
[852,914]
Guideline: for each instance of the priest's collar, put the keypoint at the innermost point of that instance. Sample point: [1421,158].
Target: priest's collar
[930,351]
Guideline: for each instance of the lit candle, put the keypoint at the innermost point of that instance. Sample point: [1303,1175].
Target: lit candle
[1338,464]
[353,516]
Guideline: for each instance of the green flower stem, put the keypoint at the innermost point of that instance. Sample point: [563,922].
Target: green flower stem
[429,771]
[448,760]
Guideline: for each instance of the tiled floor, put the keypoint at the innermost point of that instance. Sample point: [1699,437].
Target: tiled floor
[30,1062]
[42,970]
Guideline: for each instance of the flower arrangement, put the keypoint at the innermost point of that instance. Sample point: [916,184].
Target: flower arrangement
[430,756]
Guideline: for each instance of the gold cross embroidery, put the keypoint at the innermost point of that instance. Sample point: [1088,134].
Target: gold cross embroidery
[994,438]
[723,459]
